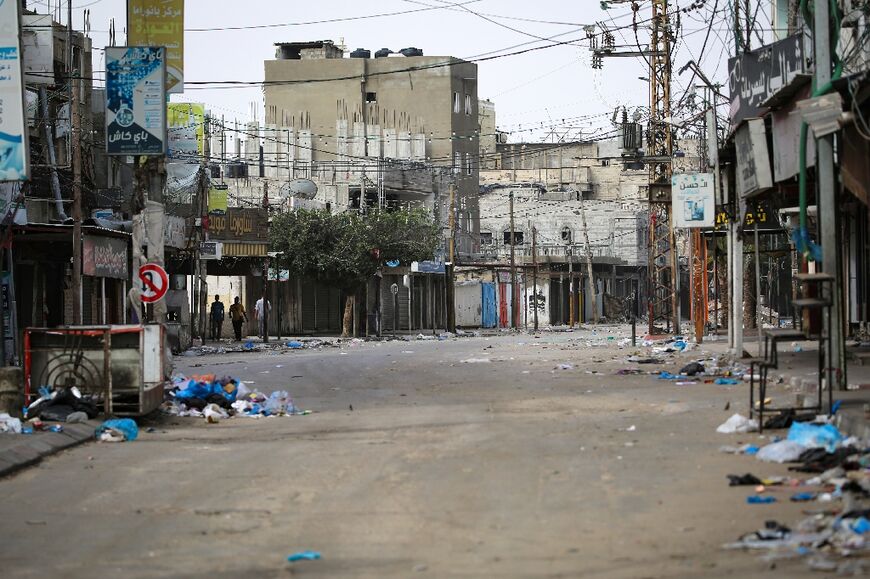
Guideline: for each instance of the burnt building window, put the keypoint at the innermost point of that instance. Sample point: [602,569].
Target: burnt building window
[371,97]
[518,238]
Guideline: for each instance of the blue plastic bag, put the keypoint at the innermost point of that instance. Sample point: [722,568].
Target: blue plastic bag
[815,435]
[725,381]
[125,426]
[304,556]
[760,500]
[294,345]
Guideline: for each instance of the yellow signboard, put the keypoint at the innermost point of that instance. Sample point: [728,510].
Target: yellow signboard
[217,200]
[160,23]
[186,130]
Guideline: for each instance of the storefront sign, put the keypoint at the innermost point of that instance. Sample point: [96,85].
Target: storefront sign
[175,232]
[135,100]
[693,200]
[104,257]
[14,164]
[211,250]
[186,122]
[427,267]
[240,224]
[160,23]
[753,159]
[757,75]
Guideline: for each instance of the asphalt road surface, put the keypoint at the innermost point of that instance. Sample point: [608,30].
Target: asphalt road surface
[470,457]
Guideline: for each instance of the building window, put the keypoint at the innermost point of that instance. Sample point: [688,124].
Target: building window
[371,97]
[605,162]
[469,164]
[518,238]
[457,162]
[567,235]
[485,238]
[468,104]
[456,103]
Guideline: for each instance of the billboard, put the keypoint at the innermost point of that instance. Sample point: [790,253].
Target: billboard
[135,100]
[160,23]
[753,158]
[104,257]
[693,200]
[186,131]
[13,125]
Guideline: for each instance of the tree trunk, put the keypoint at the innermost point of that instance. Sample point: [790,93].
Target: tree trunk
[347,319]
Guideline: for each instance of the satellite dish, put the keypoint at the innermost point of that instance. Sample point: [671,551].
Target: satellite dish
[303,188]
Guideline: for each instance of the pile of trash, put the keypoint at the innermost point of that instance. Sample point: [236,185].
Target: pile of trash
[215,399]
[62,405]
[835,535]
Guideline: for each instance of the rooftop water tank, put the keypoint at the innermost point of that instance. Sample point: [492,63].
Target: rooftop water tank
[383,53]
[411,51]
[361,53]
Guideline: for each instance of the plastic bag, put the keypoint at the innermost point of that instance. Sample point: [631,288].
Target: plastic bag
[782,451]
[214,413]
[815,435]
[9,424]
[737,424]
[118,428]
[279,402]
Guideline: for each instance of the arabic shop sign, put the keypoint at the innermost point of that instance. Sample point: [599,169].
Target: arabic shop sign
[160,23]
[14,164]
[135,100]
[757,75]
[104,257]
[693,200]
[239,224]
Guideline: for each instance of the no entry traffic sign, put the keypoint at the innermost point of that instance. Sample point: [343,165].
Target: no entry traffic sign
[155,282]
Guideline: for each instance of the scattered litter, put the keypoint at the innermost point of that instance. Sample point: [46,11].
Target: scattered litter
[117,430]
[692,369]
[725,381]
[745,480]
[737,424]
[565,367]
[76,418]
[304,556]
[814,436]
[10,424]
[760,500]
[220,398]
[294,345]
[476,361]
[782,451]
[802,497]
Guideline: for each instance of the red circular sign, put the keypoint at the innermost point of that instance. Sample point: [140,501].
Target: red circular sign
[155,282]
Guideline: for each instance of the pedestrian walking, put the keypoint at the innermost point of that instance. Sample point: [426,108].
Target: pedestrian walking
[260,313]
[216,316]
[237,316]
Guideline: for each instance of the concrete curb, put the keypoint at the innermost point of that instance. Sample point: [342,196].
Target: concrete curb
[28,450]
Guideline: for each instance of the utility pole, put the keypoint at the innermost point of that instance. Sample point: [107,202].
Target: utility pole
[513,313]
[569,253]
[828,201]
[450,267]
[593,300]
[75,138]
[535,276]
[266,273]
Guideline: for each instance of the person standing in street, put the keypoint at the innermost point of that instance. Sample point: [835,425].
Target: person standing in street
[260,312]
[237,316]
[216,316]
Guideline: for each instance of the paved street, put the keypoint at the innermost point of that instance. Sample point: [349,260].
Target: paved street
[509,467]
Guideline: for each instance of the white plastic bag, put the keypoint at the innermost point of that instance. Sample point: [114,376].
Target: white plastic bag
[782,451]
[214,413]
[9,424]
[737,424]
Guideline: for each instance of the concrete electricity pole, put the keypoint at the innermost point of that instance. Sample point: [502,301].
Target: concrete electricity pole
[535,276]
[593,301]
[513,313]
[828,196]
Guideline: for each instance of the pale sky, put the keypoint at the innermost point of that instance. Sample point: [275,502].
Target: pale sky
[552,86]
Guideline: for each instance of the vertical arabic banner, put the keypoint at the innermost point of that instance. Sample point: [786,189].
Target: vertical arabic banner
[160,23]
[13,126]
[693,199]
[135,100]
[186,131]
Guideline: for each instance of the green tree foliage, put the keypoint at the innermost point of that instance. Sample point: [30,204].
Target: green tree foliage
[342,249]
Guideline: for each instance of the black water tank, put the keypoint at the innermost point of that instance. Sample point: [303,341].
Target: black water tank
[411,51]
[361,53]
[383,53]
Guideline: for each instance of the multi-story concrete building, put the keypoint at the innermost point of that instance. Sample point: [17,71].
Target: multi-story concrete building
[349,119]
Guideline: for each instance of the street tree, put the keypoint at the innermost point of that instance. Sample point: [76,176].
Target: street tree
[346,249]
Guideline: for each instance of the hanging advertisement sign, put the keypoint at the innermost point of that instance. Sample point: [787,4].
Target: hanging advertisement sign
[753,158]
[693,200]
[135,100]
[186,131]
[104,257]
[14,164]
[160,23]
[217,200]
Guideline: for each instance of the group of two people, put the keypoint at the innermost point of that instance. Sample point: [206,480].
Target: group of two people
[238,316]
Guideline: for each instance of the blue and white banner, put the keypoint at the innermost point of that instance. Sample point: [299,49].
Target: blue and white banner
[13,125]
[693,200]
[135,100]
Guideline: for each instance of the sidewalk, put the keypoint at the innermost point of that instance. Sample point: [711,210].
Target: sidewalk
[21,450]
